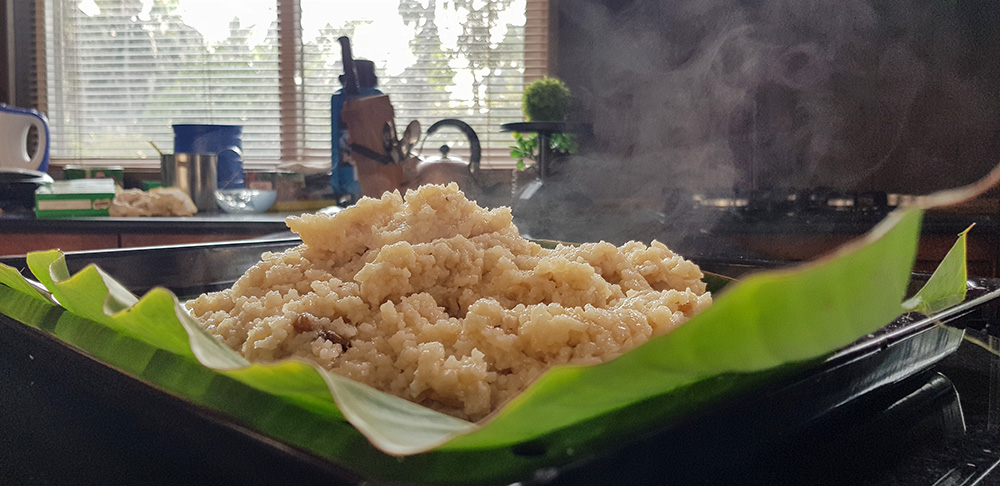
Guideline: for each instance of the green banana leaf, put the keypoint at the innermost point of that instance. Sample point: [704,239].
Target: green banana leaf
[756,329]
[947,284]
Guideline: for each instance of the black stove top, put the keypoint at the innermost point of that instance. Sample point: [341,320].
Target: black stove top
[803,201]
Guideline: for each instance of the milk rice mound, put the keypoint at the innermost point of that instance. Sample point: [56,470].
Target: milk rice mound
[431,298]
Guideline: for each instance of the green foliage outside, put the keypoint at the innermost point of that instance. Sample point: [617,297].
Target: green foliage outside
[147,69]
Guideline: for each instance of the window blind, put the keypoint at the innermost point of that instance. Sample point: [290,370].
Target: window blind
[119,73]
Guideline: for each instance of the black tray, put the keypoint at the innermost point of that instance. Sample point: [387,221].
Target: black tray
[70,418]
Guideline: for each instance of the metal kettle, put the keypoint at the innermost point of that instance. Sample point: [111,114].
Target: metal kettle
[393,166]
[446,168]
[15,124]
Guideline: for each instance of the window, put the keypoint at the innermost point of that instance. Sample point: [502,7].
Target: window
[119,73]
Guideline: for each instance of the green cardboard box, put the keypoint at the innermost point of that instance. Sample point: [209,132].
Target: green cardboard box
[74,198]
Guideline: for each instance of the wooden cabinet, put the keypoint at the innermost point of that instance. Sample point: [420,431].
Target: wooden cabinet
[18,237]
[131,240]
[17,243]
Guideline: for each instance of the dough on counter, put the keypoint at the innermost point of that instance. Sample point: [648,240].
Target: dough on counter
[161,201]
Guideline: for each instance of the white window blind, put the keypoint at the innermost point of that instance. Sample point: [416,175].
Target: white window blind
[119,73]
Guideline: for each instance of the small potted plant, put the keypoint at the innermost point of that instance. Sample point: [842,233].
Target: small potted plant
[545,100]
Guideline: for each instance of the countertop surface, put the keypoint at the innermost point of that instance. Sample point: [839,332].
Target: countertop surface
[214,222]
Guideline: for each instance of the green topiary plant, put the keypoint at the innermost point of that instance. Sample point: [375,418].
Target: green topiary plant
[547,99]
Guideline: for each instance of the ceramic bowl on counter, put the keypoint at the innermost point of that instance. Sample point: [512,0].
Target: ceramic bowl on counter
[245,200]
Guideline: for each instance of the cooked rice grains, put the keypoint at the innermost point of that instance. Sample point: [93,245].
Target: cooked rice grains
[432,298]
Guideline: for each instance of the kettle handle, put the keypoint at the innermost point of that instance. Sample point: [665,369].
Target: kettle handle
[475,149]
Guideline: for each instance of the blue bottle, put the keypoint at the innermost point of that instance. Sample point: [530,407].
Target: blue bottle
[358,80]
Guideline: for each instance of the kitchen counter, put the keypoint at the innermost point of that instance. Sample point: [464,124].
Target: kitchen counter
[760,234]
[695,233]
[22,234]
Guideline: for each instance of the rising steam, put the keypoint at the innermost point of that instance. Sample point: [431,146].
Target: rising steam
[732,97]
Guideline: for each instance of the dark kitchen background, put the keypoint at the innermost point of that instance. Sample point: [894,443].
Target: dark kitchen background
[900,96]
[773,129]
